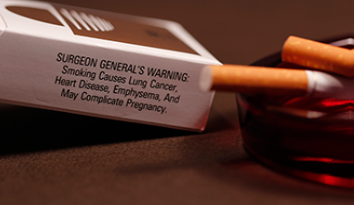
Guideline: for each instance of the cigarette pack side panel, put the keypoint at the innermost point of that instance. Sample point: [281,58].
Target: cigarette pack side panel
[101,82]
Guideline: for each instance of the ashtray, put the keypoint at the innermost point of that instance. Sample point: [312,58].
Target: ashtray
[311,138]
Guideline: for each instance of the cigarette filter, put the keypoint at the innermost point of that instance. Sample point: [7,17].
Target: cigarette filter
[102,64]
[275,81]
[319,56]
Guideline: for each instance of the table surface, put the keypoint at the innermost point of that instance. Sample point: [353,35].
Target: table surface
[49,157]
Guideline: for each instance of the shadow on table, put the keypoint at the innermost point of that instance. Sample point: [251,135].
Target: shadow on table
[30,129]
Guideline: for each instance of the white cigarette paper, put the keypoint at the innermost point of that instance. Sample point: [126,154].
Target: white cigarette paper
[323,85]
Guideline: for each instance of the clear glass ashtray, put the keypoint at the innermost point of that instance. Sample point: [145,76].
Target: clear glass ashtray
[311,138]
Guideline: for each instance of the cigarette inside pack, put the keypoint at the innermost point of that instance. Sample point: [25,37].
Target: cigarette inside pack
[102,64]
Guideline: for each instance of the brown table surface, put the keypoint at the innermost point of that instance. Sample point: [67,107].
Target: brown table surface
[49,157]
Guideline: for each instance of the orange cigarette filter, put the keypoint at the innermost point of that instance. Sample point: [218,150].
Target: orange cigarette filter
[251,79]
[319,56]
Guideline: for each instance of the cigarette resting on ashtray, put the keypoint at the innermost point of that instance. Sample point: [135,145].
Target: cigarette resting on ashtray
[275,81]
[319,56]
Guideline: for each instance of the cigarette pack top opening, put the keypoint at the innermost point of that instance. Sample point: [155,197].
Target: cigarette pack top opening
[206,79]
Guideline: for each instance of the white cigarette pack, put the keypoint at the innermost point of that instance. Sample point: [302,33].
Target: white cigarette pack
[102,64]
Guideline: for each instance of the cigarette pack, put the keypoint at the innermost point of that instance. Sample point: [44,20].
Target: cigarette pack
[102,64]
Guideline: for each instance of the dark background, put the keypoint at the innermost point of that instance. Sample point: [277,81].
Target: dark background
[49,157]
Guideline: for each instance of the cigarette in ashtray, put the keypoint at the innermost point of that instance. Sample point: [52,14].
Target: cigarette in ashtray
[275,81]
[323,58]
[319,56]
